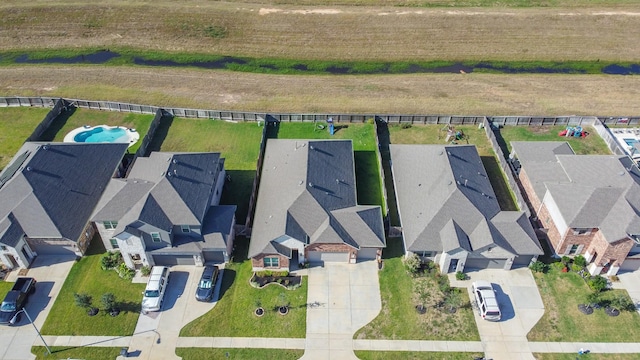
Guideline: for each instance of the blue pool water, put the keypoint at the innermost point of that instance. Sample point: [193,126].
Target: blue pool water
[630,142]
[100,134]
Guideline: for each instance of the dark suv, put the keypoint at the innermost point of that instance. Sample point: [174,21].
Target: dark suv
[207,283]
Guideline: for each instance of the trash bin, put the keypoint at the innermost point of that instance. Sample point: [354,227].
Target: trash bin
[124,352]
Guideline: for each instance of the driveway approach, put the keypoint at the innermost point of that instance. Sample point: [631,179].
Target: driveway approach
[343,298]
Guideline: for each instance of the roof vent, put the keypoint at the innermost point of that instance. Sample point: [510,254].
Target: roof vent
[169,159]
[168,174]
[175,161]
[28,168]
[310,184]
[311,147]
[45,147]
[300,183]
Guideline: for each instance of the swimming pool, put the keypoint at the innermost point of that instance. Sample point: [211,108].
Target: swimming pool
[629,141]
[103,133]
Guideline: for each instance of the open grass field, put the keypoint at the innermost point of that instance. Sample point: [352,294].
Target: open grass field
[561,30]
[239,144]
[472,94]
[415,355]
[398,319]
[233,314]
[80,117]
[236,353]
[16,125]
[562,321]
[436,134]
[86,276]
[89,352]
[590,145]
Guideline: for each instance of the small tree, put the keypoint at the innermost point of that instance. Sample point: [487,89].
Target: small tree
[623,302]
[282,301]
[108,301]
[84,300]
[539,267]
[453,299]
[597,283]
[412,263]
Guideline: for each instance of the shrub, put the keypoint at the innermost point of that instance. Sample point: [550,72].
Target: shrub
[597,283]
[623,302]
[443,284]
[576,268]
[370,120]
[614,278]
[566,260]
[558,266]
[108,301]
[411,263]
[593,298]
[110,260]
[82,300]
[145,270]
[406,126]
[461,276]
[579,260]
[125,273]
[539,267]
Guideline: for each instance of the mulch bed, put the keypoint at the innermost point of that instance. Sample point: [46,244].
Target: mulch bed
[611,311]
[585,309]
[263,281]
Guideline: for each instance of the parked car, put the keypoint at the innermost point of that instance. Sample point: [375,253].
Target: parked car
[156,286]
[207,283]
[485,296]
[16,298]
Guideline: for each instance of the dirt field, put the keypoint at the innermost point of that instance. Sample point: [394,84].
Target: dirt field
[465,94]
[332,32]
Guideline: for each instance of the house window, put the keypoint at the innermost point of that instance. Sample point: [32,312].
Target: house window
[185,228]
[574,249]
[271,262]
[581,231]
[114,242]
[110,224]
[427,254]
[156,237]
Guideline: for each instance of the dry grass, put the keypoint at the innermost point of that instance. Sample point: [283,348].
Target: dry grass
[330,32]
[474,94]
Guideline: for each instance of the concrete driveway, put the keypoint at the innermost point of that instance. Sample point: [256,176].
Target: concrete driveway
[50,272]
[521,307]
[343,298]
[156,333]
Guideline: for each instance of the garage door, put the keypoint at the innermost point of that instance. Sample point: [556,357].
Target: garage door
[522,261]
[169,260]
[319,257]
[44,248]
[367,254]
[630,265]
[483,263]
[215,257]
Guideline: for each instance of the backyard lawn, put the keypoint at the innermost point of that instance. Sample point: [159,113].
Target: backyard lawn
[436,134]
[65,352]
[236,353]
[86,276]
[16,126]
[398,319]
[415,355]
[369,185]
[81,117]
[590,145]
[562,321]
[234,316]
[239,144]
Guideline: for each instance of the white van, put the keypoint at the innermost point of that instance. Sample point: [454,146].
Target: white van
[486,300]
[156,286]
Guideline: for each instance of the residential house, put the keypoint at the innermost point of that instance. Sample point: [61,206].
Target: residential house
[449,212]
[588,204]
[166,211]
[47,194]
[307,209]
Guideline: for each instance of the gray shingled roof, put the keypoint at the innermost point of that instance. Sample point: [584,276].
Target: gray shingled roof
[446,202]
[307,188]
[56,188]
[162,190]
[216,226]
[594,191]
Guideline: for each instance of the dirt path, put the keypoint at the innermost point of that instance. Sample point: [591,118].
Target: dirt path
[464,94]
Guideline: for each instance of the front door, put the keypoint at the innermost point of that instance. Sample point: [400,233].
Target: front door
[453,265]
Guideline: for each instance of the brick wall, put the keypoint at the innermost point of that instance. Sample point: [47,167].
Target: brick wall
[571,239]
[257,262]
[612,253]
[552,231]
[528,189]
[331,248]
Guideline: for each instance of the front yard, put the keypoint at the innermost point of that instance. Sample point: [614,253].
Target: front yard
[16,126]
[238,353]
[65,352]
[399,320]
[415,355]
[562,321]
[234,316]
[86,276]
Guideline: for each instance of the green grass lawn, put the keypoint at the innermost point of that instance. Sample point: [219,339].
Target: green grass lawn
[562,321]
[233,314]
[589,356]
[88,352]
[590,145]
[80,117]
[235,353]
[436,134]
[369,184]
[398,319]
[415,355]
[4,288]
[86,276]
[239,144]
[16,126]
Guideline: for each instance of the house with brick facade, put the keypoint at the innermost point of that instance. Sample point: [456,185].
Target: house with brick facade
[166,211]
[307,211]
[47,194]
[449,212]
[587,204]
